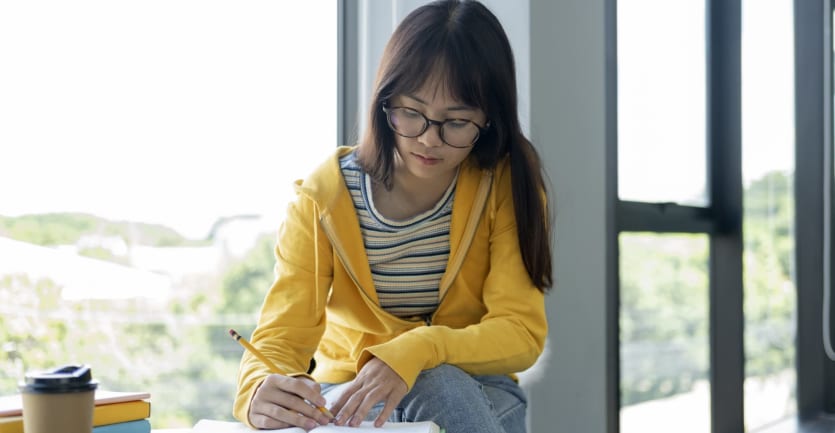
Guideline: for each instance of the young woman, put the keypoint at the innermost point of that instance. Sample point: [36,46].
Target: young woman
[411,269]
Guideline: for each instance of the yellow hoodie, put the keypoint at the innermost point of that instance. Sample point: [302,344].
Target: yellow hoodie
[490,320]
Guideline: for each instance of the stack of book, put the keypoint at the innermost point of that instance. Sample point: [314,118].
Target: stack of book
[115,412]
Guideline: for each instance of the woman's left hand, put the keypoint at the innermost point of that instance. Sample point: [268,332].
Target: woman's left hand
[375,382]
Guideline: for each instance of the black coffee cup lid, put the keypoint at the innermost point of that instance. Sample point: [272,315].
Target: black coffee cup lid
[68,378]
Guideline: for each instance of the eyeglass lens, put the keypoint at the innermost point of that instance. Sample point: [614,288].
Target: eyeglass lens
[411,123]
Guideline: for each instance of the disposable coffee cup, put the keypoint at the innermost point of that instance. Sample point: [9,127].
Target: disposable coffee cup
[59,400]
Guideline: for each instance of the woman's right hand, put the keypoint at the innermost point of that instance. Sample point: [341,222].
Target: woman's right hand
[280,402]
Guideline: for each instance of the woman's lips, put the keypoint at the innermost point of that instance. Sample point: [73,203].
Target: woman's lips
[428,160]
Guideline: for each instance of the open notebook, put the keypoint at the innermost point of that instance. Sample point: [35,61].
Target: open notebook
[211,426]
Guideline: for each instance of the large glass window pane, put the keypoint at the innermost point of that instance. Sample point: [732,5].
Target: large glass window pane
[768,232]
[661,101]
[148,151]
[664,342]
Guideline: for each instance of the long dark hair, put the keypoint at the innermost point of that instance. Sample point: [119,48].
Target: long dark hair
[465,42]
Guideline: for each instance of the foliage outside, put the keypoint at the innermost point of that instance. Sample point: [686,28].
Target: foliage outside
[664,299]
[179,350]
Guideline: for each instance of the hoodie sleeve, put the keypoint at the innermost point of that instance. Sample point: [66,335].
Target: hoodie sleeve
[292,317]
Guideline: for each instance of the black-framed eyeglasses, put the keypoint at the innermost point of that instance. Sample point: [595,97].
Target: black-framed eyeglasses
[410,123]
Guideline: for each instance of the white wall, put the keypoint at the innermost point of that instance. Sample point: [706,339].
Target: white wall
[568,118]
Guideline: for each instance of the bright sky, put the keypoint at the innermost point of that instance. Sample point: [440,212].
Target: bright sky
[180,112]
[175,112]
[661,96]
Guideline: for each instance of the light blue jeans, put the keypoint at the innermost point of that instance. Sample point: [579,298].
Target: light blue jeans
[458,402]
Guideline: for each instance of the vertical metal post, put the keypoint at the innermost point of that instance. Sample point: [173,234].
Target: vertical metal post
[612,231]
[348,72]
[810,97]
[727,357]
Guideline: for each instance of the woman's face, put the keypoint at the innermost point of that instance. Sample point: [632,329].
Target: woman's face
[427,157]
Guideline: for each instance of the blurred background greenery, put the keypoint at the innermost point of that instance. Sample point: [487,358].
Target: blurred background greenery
[180,352]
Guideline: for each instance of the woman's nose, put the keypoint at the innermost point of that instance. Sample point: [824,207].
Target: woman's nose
[432,136]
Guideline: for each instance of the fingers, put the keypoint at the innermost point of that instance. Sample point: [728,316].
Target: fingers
[376,382]
[358,405]
[386,412]
[273,419]
[280,402]
[346,403]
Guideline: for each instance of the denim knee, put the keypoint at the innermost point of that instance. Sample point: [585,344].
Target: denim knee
[458,402]
[462,403]
[508,400]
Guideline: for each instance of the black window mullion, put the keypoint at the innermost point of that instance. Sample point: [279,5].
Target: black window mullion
[725,173]
[814,373]
[663,217]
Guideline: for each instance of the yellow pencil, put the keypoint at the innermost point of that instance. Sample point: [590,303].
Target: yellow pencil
[268,363]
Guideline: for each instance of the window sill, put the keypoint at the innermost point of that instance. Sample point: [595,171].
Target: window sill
[824,423]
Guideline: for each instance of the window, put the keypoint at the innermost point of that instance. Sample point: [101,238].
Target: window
[682,312]
[149,150]
[768,222]
[662,160]
[664,332]
[661,101]
[706,233]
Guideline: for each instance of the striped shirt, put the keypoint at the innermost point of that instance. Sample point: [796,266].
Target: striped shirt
[407,257]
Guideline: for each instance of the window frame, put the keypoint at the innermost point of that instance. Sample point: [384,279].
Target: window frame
[721,220]
[813,101]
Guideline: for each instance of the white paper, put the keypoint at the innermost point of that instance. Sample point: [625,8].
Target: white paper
[211,426]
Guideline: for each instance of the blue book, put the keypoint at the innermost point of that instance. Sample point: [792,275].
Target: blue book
[138,426]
